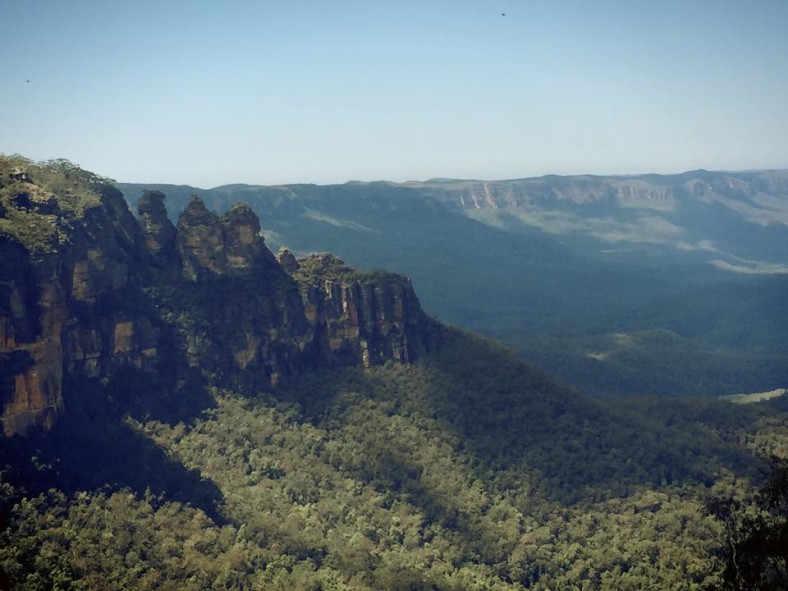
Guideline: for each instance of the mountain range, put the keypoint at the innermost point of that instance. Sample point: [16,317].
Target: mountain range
[183,408]
[645,284]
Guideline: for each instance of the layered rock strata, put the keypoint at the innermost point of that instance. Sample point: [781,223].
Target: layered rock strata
[207,298]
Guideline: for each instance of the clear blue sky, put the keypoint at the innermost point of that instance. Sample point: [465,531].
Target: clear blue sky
[212,92]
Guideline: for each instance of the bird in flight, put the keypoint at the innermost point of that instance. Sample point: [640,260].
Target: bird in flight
[28,81]
[503,14]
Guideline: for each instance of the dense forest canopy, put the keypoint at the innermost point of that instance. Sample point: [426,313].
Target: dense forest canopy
[410,296]
[467,470]
[463,467]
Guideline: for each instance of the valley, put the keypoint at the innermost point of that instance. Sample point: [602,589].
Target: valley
[698,259]
[394,296]
[183,408]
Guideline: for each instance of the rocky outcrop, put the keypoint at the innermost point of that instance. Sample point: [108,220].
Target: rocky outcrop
[206,299]
[31,310]
[362,318]
[287,260]
[244,246]
[213,246]
[244,321]
[157,229]
[200,242]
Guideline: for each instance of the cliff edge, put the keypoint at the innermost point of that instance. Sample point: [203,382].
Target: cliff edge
[88,292]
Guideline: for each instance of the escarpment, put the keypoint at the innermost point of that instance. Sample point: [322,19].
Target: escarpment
[99,294]
[31,363]
[366,318]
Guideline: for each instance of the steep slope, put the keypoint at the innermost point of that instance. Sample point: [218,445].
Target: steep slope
[465,470]
[90,293]
[572,262]
[736,219]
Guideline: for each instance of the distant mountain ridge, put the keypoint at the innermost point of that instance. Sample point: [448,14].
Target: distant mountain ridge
[702,254]
[691,211]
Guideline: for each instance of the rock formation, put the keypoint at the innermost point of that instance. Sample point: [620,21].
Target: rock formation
[206,300]
[287,260]
[156,227]
[361,318]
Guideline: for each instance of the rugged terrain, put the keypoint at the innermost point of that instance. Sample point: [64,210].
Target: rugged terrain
[90,292]
[734,220]
[184,409]
[652,284]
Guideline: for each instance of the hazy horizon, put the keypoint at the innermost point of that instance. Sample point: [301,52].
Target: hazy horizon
[449,179]
[273,93]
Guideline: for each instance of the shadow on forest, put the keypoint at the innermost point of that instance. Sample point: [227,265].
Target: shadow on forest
[521,431]
[96,450]
[514,418]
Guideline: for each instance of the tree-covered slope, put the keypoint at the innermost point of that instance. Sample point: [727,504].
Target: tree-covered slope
[653,362]
[467,470]
[224,419]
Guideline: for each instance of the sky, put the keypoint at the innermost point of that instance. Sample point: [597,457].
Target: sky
[271,92]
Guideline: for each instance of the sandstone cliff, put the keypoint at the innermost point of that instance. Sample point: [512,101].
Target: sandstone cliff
[366,318]
[95,292]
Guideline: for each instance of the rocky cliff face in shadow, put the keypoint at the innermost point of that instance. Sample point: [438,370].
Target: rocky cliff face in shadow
[204,301]
[31,363]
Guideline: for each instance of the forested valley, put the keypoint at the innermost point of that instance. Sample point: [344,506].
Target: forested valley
[393,296]
[665,285]
[223,418]
[467,470]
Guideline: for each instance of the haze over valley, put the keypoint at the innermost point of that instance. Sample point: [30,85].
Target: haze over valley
[410,296]
[662,285]
[168,372]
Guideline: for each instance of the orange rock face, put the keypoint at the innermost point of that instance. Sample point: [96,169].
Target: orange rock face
[205,299]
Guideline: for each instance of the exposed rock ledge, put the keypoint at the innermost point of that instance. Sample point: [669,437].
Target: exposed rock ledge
[204,301]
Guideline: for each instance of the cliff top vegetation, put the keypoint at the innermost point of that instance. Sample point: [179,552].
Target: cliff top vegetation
[39,200]
[317,268]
